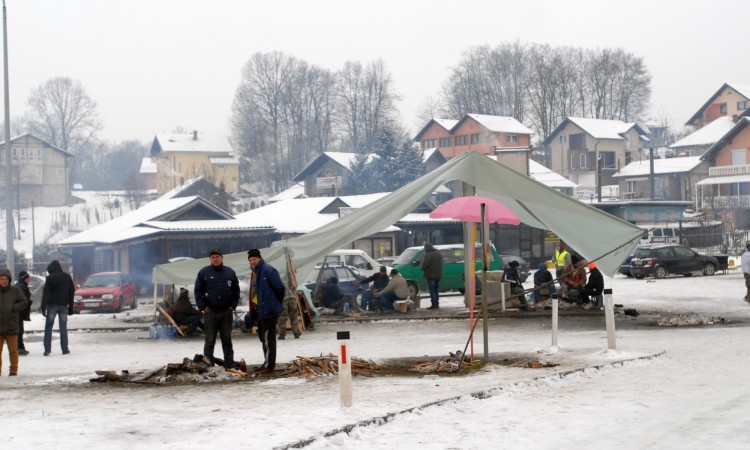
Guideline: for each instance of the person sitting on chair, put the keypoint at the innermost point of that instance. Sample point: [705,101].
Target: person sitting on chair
[594,287]
[187,314]
[332,297]
[543,277]
[379,282]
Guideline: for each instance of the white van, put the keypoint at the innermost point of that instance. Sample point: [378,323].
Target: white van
[661,235]
[352,257]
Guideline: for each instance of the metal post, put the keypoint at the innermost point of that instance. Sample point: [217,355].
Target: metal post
[485,294]
[609,315]
[345,370]
[651,172]
[10,261]
[555,305]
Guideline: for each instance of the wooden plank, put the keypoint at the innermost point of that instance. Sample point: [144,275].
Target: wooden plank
[170,320]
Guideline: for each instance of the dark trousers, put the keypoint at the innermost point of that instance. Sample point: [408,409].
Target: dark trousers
[221,323]
[587,293]
[267,336]
[20,335]
[433,284]
[193,322]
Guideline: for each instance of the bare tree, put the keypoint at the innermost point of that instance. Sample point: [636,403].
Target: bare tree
[62,113]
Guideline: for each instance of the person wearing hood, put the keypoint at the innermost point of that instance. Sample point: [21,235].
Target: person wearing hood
[593,288]
[268,289]
[187,314]
[57,301]
[432,266]
[12,301]
[217,293]
[25,314]
[543,277]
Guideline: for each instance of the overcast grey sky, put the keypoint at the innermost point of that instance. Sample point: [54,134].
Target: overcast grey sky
[153,65]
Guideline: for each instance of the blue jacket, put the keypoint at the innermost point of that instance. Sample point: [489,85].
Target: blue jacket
[217,287]
[269,288]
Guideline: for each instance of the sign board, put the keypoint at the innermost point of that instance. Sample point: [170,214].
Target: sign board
[654,214]
[551,237]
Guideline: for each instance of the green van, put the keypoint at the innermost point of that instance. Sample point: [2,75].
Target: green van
[409,265]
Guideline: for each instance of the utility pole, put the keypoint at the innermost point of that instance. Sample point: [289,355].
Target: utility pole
[11,263]
[651,172]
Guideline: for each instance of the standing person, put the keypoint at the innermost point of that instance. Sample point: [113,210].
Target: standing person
[25,314]
[432,266]
[745,263]
[57,300]
[593,288]
[269,290]
[397,289]
[290,310]
[217,293]
[379,282]
[12,301]
[562,260]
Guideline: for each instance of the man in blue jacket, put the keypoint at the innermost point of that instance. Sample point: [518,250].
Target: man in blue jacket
[217,293]
[266,298]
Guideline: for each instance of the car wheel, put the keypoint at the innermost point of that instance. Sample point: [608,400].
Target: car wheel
[134,305]
[462,291]
[709,269]
[660,272]
[639,277]
[119,305]
[413,289]
[629,275]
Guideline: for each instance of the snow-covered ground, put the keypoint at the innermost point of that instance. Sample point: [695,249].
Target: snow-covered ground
[664,387]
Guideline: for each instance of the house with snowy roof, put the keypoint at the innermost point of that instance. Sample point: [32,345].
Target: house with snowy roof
[184,156]
[730,100]
[674,178]
[697,142]
[576,144]
[503,136]
[727,187]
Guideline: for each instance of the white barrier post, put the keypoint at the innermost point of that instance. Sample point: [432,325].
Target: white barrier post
[609,315]
[554,321]
[345,370]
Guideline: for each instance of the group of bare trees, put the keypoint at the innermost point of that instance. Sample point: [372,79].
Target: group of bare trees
[286,111]
[541,85]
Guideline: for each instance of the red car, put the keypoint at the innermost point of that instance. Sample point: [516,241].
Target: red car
[106,291]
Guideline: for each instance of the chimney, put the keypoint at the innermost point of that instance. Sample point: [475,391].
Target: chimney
[195,135]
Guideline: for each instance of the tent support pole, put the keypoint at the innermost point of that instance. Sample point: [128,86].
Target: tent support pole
[485,294]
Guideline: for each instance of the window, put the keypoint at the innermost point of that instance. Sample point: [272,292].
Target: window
[462,140]
[475,138]
[446,142]
[562,138]
[23,153]
[428,143]
[630,185]
[14,153]
[583,160]
[741,106]
[628,158]
[578,141]
[39,153]
[607,160]
[723,108]
[447,255]
[357,261]
[511,139]
[627,141]
[572,161]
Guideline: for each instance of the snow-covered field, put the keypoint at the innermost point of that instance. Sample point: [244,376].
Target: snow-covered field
[680,387]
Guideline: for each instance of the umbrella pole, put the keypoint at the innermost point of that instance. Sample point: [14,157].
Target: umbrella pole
[485,263]
[470,287]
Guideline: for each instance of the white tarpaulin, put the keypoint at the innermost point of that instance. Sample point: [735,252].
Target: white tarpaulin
[591,232]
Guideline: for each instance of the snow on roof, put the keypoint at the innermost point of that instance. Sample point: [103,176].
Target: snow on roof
[295,191]
[302,215]
[602,129]
[707,135]
[184,142]
[446,123]
[501,124]
[547,177]
[126,226]
[742,89]
[189,225]
[422,217]
[224,160]
[343,158]
[177,189]
[148,165]
[661,166]
[428,152]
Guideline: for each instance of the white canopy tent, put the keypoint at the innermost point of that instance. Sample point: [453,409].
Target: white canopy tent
[591,232]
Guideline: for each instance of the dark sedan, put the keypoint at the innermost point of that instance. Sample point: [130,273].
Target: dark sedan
[346,275]
[661,260]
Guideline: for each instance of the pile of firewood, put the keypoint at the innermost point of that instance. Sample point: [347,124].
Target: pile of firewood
[533,364]
[325,365]
[198,369]
[448,363]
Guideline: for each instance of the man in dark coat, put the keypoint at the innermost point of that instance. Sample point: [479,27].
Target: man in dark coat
[432,266]
[217,293]
[187,314]
[57,300]
[24,314]
[379,282]
[12,301]
[594,287]
[266,298]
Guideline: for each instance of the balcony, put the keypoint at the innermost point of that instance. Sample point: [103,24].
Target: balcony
[328,182]
[722,171]
[724,202]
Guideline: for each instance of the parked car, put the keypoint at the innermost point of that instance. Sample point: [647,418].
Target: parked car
[351,257]
[350,280]
[106,291]
[523,268]
[661,260]
[625,266]
[409,265]
[386,260]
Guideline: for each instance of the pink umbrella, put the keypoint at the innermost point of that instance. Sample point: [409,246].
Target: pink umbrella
[468,209]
